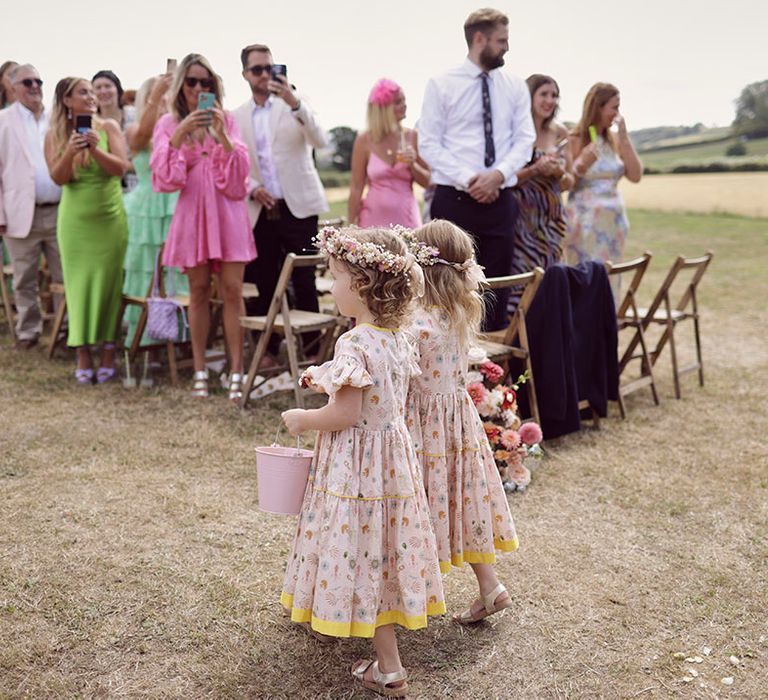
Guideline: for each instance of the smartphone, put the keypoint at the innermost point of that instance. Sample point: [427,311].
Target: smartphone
[206,100]
[83,123]
[279,69]
[170,65]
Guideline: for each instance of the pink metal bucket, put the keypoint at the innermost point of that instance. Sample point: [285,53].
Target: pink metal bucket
[282,478]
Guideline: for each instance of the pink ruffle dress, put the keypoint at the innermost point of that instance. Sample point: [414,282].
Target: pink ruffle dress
[210,223]
[470,512]
[364,553]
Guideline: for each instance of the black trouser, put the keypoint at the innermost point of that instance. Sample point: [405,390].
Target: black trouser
[275,238]
[493,228]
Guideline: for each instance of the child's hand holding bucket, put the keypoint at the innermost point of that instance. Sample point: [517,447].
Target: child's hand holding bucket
[294,420]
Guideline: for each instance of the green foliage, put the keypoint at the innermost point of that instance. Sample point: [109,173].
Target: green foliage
[752,110]
[343,139]
[736,149]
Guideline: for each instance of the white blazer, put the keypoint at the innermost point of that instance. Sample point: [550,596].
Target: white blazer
[17,175]
[293,136]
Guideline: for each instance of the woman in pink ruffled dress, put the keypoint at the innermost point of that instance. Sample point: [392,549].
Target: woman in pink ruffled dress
[198,152]
[386,158]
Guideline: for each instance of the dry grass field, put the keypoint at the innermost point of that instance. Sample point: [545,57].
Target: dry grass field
[134,561]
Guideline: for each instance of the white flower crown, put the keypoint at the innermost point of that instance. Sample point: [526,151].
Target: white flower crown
[334,242]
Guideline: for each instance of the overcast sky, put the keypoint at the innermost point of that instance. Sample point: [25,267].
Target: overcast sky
[674,61]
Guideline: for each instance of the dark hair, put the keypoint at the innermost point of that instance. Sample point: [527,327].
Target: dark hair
[7,66]
[535,81]
[252,47]
[109,75]
[485,20]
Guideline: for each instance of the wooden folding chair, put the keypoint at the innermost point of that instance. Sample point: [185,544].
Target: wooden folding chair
[661,312]
[6,281]
[627,316]
[503,345]
[291,323]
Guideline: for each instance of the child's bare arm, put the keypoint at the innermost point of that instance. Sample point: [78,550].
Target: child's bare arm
[342,411]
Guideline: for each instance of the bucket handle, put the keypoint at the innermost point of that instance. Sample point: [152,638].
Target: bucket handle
[277,436]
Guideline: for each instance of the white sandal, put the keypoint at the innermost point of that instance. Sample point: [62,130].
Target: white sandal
[381,681]
[489,603]
[235,386]
[200,384]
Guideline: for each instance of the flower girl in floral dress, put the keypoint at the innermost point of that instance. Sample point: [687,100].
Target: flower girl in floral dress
[469,508]
[364,557]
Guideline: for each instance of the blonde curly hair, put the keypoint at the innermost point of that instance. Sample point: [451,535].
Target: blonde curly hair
[444,285]
[387,295]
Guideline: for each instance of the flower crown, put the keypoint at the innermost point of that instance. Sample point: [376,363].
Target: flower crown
[427,255]
[384,92]
[336,243]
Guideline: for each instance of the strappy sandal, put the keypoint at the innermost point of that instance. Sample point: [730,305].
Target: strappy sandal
[105,374]
[84,377]
[235,386]
[489,603]
[382,682]
[200,384]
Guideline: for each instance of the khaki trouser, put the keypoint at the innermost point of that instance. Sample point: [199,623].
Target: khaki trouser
[25,258]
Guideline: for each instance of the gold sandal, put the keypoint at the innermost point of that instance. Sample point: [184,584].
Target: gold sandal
[381,682]
[489,603]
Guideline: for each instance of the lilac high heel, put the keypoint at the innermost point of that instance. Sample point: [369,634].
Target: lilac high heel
[84,377]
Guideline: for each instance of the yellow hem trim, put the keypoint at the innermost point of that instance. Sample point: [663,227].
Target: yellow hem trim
[360,629]
[458,560]
[379,328]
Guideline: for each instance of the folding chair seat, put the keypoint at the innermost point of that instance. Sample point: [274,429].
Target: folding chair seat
[290,323]
[502,346]
[627,316]
[664,314]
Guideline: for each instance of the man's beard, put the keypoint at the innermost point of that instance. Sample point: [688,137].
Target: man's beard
[489,60]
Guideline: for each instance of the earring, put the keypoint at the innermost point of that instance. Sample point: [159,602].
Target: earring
[69,114]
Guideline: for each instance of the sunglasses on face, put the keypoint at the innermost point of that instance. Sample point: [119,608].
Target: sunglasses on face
[205,83]
[29,82]
[258,70]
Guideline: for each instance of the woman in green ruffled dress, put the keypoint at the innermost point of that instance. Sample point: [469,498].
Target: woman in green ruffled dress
[149,213]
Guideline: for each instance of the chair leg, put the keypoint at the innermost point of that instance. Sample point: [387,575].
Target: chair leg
[293,362]
[58,322]
[532,400]
[170,349]
[622,407]
[141,324]
[646,366]
[673,353]
[699,358]
[261,348]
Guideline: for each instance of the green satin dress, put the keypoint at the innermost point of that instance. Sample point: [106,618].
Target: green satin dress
[92,235]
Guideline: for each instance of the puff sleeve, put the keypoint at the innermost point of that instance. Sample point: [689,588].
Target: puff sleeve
[168,164]
[347,368]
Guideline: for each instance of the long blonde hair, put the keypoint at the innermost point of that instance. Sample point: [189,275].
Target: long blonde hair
[177,103]
[62,122]
[381,121]
[444,284]
[598,96]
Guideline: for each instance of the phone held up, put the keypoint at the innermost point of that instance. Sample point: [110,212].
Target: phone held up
[83,123]
[170,65]
[206,100]
[279,69]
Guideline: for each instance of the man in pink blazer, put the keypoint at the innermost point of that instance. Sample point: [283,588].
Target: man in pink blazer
[28,199]
[285,192]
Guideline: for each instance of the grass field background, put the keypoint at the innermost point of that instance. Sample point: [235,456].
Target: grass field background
[134,561]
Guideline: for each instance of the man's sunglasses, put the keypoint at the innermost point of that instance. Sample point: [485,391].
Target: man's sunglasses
[258,70]
[205,83]
[29,82]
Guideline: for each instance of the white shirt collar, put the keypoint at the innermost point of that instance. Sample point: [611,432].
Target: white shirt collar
[257,107]
[29,114]
[472,69]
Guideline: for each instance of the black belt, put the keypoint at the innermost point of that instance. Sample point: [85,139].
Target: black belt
[46,204]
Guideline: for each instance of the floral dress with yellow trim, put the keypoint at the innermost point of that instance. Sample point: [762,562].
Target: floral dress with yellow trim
[469,508]
[364,554]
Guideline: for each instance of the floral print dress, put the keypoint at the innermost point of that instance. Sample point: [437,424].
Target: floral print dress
[469,508]
[596,216]
[364,554]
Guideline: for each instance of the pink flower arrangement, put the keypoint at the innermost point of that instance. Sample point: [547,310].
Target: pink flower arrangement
[384,92]
[511,442]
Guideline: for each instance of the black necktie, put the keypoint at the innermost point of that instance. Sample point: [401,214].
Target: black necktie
[490,149]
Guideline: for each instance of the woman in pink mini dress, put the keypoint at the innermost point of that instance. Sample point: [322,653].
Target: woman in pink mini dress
[386,158]
[199,153]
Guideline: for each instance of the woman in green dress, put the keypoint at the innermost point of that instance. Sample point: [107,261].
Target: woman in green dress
[92,229]
[149,213]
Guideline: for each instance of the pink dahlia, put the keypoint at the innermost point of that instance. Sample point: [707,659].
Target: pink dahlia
[510,439]
[491,371]
[492,432]
[477,392]
[530,433]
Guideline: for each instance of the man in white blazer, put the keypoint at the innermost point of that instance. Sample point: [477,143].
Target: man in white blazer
[285,192]
[28,200]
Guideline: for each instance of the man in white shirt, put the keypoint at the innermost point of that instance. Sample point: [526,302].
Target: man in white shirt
[476,132]
[28,200]
[285,193]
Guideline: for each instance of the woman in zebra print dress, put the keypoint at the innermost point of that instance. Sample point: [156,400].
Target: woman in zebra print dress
[541,227]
